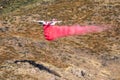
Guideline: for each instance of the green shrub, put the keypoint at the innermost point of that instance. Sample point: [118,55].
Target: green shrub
[11,5]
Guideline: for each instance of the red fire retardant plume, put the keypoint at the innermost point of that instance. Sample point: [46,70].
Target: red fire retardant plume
[53,32]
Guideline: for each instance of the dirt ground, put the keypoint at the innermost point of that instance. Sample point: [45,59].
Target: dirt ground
[26,55]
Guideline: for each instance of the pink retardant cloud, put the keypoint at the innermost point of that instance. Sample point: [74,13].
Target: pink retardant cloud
[54,32]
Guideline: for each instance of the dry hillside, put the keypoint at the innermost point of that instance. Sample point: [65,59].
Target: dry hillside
[26,55]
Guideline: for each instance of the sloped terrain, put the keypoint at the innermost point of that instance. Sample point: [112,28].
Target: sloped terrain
[26,55]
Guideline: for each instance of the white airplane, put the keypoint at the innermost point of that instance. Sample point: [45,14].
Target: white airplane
[52,22]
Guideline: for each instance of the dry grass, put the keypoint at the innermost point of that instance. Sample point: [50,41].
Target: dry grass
[26,37]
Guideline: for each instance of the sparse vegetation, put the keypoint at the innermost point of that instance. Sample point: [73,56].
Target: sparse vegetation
[98,54]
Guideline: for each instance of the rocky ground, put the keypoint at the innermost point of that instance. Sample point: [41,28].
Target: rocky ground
[26,55]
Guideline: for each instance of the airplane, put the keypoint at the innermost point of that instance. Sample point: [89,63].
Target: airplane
[52,31]
[52,22]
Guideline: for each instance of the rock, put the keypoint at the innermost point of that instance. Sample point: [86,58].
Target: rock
[4,29]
